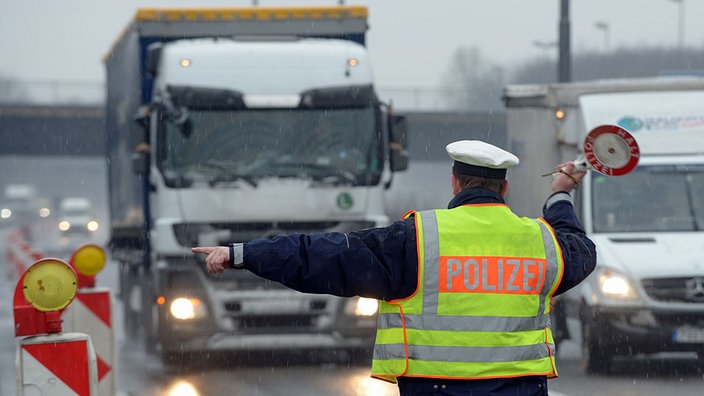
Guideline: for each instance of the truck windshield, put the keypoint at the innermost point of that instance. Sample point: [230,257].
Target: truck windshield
[339,146]
[651,198]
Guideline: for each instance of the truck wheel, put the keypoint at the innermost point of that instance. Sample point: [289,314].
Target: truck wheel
[360,357]
[596,358]
[175,361]
[148,314]
[129,294]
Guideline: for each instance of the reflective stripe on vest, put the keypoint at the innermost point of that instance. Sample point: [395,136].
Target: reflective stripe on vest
[481,309]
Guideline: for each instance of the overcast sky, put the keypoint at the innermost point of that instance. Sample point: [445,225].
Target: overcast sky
[411,42]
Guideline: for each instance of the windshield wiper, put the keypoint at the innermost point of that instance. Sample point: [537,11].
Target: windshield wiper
[690,201]
[225,173]
[324,173]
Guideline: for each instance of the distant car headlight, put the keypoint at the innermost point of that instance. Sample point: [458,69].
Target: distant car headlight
[64,225]
[44,212]
[92,226]
[5,213]
[187,308]
[617,286]
[362,306]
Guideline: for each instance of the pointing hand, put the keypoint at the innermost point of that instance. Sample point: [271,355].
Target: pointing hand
[218,257]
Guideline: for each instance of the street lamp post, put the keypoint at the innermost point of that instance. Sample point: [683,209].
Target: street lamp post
[564,60]
[680,23]
[604,27]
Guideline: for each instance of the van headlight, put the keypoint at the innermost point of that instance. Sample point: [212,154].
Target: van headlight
[64,225]
[616,286]
[92,226]
[187,308]
[362,306]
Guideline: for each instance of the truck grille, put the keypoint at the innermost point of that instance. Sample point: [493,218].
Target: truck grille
[187,234]
[687,290]
[308,319]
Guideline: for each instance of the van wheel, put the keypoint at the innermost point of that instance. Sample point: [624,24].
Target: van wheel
[558,318]
[596,358]
[700,361]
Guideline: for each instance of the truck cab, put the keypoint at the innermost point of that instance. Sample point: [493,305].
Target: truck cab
[243,136]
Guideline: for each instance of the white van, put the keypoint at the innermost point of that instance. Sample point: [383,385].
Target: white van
[76,215]
[646,295]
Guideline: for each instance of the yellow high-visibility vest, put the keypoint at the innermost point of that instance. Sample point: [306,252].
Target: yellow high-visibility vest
[482,307]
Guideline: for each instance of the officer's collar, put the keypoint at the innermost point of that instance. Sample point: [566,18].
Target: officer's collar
[475,196]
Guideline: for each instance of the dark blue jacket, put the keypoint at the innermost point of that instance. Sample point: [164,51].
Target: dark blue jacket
[382,263]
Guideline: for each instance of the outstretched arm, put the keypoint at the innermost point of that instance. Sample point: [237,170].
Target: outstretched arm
[379,263]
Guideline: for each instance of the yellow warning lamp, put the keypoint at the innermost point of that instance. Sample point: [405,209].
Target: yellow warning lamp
[50,285]
[88,260]
[45,289]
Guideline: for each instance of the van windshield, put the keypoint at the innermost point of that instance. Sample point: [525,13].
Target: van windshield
[651,198]
[337,146]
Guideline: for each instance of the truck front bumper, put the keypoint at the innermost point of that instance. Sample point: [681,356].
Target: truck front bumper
[263,342]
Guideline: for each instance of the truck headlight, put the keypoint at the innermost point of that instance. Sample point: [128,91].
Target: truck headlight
[616,286]
[187,308]
[362,306]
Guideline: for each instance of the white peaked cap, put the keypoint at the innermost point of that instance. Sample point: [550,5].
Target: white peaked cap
[477,158]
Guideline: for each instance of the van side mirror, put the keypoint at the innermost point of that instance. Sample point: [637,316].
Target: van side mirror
[398,143]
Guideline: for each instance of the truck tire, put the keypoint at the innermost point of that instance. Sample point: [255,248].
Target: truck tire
[176,361]
[148,315]
[129,286]
[596,358]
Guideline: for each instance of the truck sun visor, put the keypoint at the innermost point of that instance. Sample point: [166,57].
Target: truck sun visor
[354,96]
[206,98]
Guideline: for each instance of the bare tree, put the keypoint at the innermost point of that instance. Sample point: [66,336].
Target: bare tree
[473,83]
[10,91]
[621,63]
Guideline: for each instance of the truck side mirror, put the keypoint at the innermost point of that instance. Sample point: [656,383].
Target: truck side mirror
[141,118]
[140,159]
[142,149]
[398,142]
[153,57]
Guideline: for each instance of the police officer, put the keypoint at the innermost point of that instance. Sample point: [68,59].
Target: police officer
[465,291]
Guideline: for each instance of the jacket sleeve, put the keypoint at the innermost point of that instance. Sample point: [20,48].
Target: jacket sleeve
[368,263]
[578,251]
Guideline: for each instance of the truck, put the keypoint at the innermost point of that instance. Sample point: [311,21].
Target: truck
[229,124]
[646,295]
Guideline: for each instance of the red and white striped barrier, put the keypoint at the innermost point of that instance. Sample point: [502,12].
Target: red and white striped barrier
[20,254]
[57,365]
[49,362]
[91,313]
